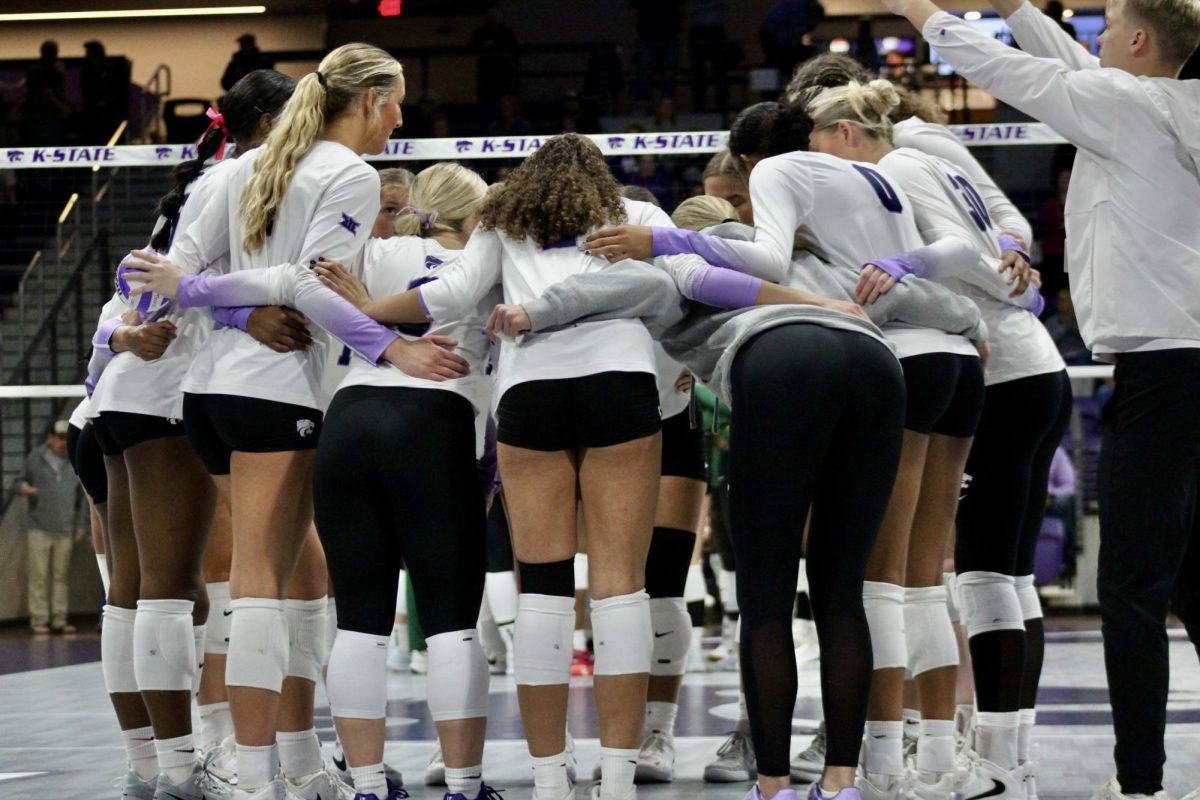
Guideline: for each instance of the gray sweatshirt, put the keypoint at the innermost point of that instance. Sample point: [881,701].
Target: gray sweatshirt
[706,339]
[56,508]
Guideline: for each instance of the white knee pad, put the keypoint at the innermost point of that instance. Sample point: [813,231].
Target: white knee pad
[802,577]
[581,572]
[727,588]
[330,630]
[884,604]
[672,628]
[1027,596]
[542,639]
[258,644]
[306,622]
[989,603]
[199,635]
[458,676]
[216,640]
[950,581]
[694,589]
[501,590]
[622,635]
[116,650]
[164,657]
[357,679]
[928,630]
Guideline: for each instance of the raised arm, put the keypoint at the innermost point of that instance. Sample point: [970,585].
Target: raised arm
[1043,37]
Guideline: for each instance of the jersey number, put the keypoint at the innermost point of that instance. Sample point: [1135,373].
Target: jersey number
[975,205]
[417,328]
[887,195]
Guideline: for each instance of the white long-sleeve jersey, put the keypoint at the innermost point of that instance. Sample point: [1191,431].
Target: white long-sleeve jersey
[526,270]
[947,204]
[327,212]
[1133,242]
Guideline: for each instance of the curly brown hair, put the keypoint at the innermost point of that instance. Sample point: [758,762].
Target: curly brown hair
[562,191]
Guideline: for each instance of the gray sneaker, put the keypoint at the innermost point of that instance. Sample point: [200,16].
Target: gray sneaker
[134,788]
[810,763]
[197,786]
[1112,791]
[735,761]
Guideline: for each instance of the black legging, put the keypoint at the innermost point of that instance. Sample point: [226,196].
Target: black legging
[1000,517]
[396,484]
[818,415]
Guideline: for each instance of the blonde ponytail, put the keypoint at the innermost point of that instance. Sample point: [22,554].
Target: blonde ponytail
[441,200]
[703,211]
[868,106]
[343,76]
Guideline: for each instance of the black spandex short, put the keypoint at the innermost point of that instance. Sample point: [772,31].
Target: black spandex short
[945,394]
[683,445]
[219,424]
[117,431]
[88,462]
[599,410]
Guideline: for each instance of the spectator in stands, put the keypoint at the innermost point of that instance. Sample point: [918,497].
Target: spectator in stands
[664,115]
[708,52]
[1060,502]
[247,59]
[1064,330]
[1054,10]
[658,23]
[105,95]
[1051,224]
[55,524]
[508,120]
[496,67]
[574,118]
[653,176]
[418,124]
[786,33]
[45,110]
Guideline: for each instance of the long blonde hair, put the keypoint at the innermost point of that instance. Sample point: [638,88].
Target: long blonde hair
[703,211]
[342,77]
[441,200]
[867,106]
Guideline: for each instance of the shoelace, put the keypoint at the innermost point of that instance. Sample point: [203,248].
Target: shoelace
[736,741]
[490,793]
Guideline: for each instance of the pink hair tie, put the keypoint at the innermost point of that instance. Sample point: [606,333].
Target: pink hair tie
[425,218]
[218,121]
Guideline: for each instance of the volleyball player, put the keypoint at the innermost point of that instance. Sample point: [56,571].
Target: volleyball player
[723,179]
[997,533]
[367,501]
[1133,172]
[394,185]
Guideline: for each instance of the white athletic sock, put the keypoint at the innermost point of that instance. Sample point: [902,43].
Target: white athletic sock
[550,775]
[216,722]
[617,766]
[176,757]
[660,717]
[964,716]
[464,780]
[935,748]
[299,753]
[102,563]
[743,720]
[996,737]
[579,640]
[257,766]
[912,722]
[139,750]
[1028,719]
[369,781]
[198,634]
[883,748]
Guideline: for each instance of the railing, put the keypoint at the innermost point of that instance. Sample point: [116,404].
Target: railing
[158,87]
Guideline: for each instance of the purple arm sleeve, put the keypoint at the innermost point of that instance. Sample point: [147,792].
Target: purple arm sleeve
[233,316]
[896,266]
[1032,301]
[722,288]
[1009,242]
[247,287]
[104,333]
[713,249]
[359,332]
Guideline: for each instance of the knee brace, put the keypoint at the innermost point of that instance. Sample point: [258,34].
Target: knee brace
[581,572]
[622,635]
[694,589]
[1027,596]
[219,614]
[989,603]
[542,639]
[458,676]
[802,577]
[668,560]
[357,680]
[306,623]
[950,581]
[330,631]
[258,644]
[164,657]
[672,628]
[553,579]
[884,604]
[928,630]
[116,650]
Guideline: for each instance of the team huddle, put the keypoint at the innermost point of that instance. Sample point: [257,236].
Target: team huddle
[304,386]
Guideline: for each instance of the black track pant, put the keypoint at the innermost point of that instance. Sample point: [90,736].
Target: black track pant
[817,420]
[1149,546]
[396,485]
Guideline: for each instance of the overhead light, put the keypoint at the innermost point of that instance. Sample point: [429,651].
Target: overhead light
[972,15]
[1068,13]
[839,45]
[141,13]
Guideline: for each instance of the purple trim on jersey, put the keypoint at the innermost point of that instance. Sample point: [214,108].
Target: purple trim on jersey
[1009,242]
[421,301]
[713,249]
[723,288]
[233,316]
[104,333]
